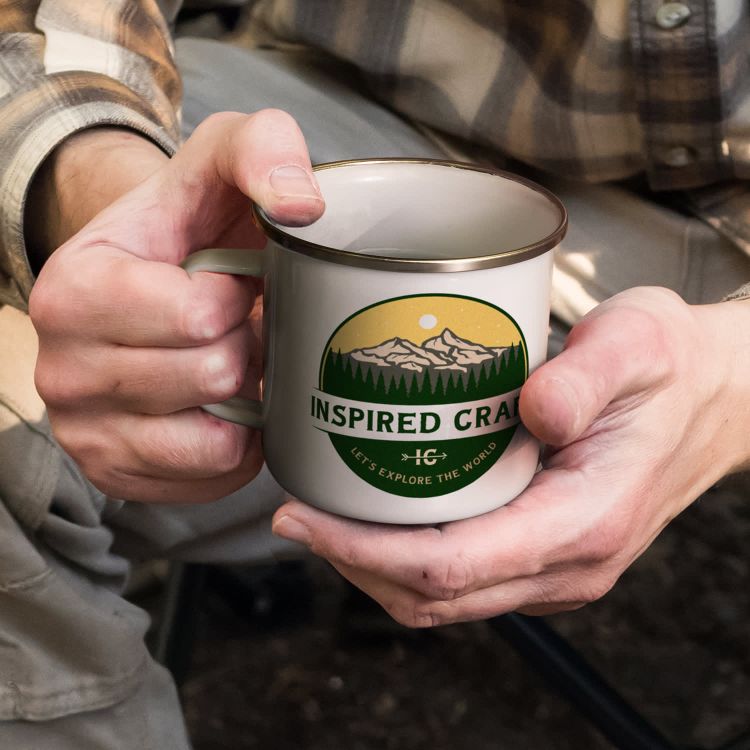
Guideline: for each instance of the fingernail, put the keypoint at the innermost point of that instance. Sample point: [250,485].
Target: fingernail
[292,180]
[291,528]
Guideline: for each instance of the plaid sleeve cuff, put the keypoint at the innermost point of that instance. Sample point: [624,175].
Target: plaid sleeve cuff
[34,122]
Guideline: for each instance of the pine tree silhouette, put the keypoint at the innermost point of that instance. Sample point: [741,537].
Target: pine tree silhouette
[368,385]
[481,385]
[471,386]
[398,390]
[438,393]
[379,388]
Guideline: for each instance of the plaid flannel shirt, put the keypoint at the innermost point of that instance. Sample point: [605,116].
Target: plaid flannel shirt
[594,89]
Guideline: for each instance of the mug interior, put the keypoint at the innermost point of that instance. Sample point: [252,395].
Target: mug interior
[428,210]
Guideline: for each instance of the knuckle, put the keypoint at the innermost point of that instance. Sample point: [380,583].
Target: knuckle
[603,541]
[58,386]
[272,118]
[413,614]
[91,454]
[47,384]
[221,376]
[117,481]
[45,306]
[39,299]
[447,579]
[66,437]
[107,481]
[348,554]
[598,539]
[459,576]
[163,453]
[643,311]
[598,548]
[204,319]
[228,449]
[549,591]
[90,458]
[218,452]
[535,564]
[543,591]
[596,587]
[645,321]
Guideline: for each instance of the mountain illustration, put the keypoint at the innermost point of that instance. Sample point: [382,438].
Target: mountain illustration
[444,352]
[445,368]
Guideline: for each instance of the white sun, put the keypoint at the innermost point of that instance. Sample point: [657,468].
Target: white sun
[428,321]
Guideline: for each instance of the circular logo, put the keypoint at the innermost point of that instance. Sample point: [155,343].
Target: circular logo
[419,394]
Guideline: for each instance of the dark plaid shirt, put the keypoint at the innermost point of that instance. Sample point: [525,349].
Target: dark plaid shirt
[594,89]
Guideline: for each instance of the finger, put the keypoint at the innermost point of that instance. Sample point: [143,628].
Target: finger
[540,610]
[414,610]
[154,380]
[526,595]
[145,489]
[269,161]
[404,605]
[188,445]
[616,352]
[552,521]
[118,299]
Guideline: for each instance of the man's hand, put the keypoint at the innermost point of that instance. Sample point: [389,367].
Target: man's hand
[647,407]
[129,344]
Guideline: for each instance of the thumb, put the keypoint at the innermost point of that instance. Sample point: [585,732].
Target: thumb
[263,155]
[206,188]
[613,353]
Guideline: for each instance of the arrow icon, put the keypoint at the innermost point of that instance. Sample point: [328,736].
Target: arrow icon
[428,457]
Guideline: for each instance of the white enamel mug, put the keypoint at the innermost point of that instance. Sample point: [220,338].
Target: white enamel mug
[399,329]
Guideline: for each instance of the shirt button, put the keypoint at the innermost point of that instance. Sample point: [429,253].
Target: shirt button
[677,156]
[672,15]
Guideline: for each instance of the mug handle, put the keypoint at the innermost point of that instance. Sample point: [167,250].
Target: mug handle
[242,263]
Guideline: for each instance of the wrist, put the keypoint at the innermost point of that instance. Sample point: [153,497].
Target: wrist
[82,176]
[728,326]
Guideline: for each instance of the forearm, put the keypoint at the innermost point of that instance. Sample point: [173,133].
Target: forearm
[83,175]
[53,86]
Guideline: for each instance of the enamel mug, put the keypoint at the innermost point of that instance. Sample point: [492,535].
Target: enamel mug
[399,329]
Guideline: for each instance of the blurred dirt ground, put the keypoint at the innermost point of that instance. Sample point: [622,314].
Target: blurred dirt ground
[326,670]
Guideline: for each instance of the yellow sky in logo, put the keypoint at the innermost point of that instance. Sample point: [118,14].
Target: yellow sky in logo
[423,317]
